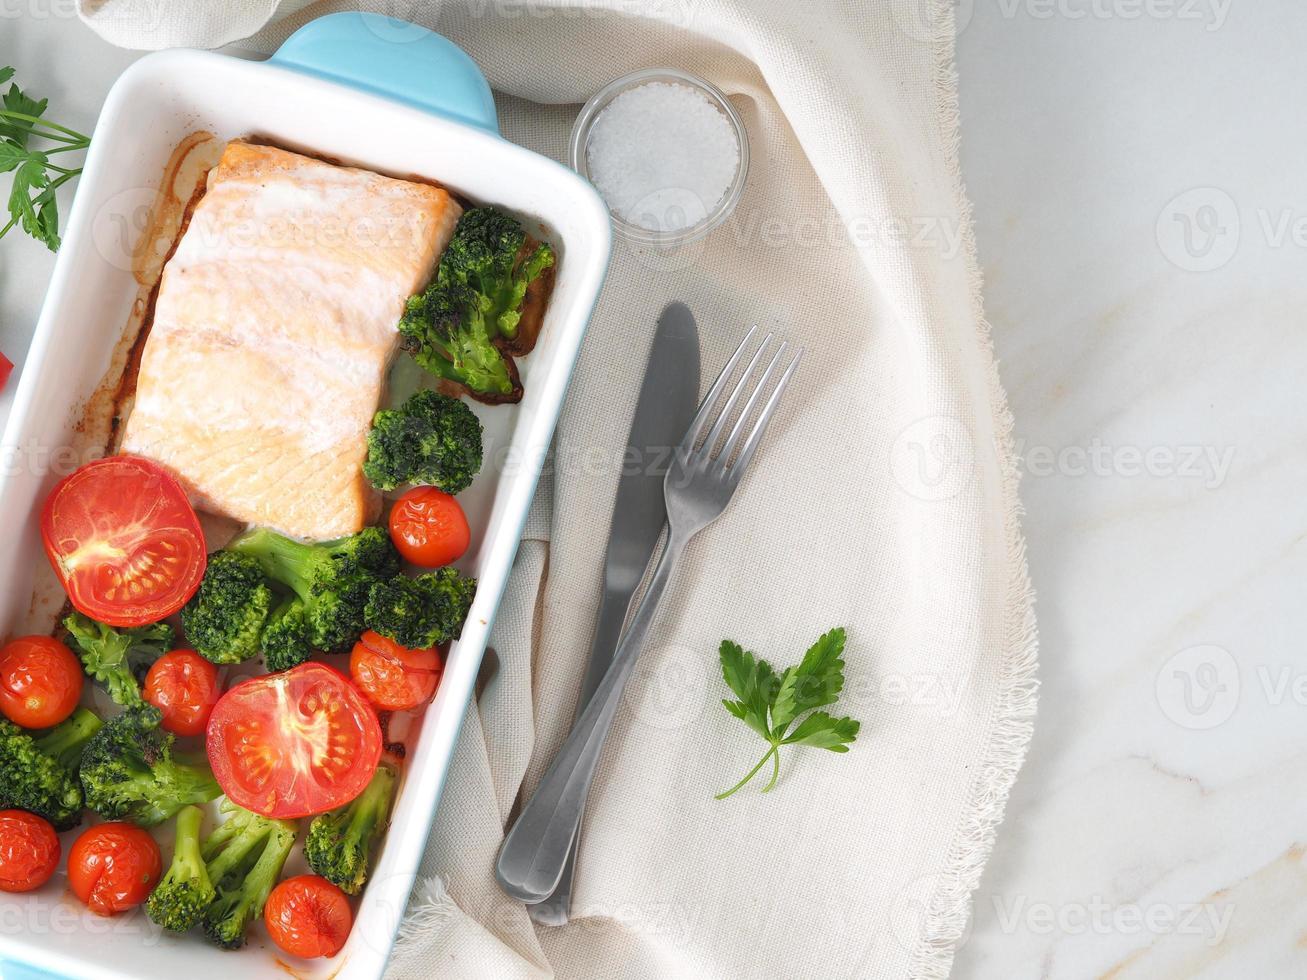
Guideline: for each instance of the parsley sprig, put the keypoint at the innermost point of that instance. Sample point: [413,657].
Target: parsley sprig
[32,204]
[770,703]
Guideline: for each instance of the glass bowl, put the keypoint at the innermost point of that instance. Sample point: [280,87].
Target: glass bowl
[578,151]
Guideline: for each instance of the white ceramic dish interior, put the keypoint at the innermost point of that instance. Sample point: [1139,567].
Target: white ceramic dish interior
[370,92]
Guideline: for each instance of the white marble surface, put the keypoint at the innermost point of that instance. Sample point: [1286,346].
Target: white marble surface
[1151,836]
[1155,379]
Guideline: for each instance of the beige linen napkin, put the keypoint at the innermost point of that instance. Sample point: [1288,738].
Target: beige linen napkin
[884,500]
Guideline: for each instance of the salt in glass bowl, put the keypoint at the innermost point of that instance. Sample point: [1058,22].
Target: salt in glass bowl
[579,144]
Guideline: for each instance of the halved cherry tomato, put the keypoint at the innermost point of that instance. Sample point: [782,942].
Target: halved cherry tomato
[429,527]
[6,368]
[308,916]
[29,851]
[294,743]
[113,867]
[393,677]
[40,681]
[184,686]
[124,541]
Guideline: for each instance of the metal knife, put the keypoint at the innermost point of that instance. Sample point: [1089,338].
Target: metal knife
[668,400]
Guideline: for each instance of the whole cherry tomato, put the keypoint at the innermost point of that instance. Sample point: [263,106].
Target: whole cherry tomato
[429,527]
[308,916]
[113,867]
[40,681]
[393,677]
[184,687]
[29,851]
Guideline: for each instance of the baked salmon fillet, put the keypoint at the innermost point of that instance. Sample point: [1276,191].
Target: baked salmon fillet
[273,330]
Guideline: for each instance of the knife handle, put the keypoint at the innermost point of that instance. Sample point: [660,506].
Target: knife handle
[535,851]
[613,608]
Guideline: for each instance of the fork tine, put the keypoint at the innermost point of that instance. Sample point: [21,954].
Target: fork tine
[764,419]
[724,416]
[705,409]
[759,389]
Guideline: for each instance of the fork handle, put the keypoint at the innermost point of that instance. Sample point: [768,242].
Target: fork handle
[533,855]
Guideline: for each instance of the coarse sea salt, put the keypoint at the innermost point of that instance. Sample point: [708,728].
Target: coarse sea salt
[663,156]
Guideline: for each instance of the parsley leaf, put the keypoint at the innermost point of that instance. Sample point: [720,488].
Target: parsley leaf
[14,126]
[29,176]
[823,731]
[11,155]
[752,681]
[32,203]
[769,702]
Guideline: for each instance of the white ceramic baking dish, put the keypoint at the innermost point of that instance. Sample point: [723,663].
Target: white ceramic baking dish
[367,91]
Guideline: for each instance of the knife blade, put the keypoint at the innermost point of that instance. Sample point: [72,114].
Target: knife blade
[669,397]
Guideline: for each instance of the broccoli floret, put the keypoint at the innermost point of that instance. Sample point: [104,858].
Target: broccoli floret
[40,774]
[287,639]
[431,439]
[211,872]
[224,618]
[465,326]
[446,331]
[64,743]
[491,255]
[113,656]
[422,612]
[339,841]
[331,580]
[226,849]
[243,890]
[184,891]
[128,771]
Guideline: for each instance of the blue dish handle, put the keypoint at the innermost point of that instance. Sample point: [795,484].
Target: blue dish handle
[14,970]
[395,59]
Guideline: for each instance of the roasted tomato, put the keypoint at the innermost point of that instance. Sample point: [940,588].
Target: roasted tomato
[294,743]
[113,867]
[308,916]
[393,677]
[40,681]
[184,687]
[124,541]
[29,851]
[429,528]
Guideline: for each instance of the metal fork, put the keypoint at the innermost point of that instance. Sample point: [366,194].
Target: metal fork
[700,483]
